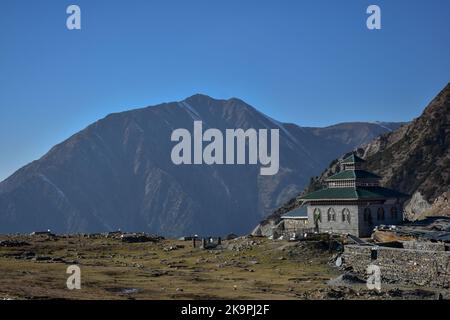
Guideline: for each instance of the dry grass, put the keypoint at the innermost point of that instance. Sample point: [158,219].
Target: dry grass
[115,270]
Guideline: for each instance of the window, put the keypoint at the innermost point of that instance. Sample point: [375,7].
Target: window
[380,214]
[331,215]
[367,216]
[346,215]
[317,215]
[394,213]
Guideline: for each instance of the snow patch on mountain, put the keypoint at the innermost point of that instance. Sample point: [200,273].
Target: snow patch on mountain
[190,110]
[54,186]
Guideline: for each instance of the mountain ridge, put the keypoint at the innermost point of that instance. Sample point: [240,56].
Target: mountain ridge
[117,173]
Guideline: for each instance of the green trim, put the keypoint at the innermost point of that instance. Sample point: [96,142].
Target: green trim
[298,213]
[353,159]
[354,193]
[353,174]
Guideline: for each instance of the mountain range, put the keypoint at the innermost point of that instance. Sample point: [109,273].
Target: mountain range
[117,173]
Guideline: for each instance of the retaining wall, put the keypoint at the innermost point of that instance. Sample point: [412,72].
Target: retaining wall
[419,267]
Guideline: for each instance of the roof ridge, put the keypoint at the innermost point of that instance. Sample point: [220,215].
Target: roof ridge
[353,158]
[353,174]
[354,193]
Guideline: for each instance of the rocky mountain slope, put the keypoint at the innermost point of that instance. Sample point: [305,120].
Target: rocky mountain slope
[117,173]
[414,159]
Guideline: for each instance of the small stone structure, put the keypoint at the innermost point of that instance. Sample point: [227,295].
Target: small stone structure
[409,266]
[295,219]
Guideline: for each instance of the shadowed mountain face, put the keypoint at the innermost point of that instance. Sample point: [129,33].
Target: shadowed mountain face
[416,157]
[117,173]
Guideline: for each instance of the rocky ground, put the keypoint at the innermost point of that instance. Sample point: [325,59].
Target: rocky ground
[34,267]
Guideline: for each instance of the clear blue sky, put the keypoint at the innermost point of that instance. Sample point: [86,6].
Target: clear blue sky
[313,63]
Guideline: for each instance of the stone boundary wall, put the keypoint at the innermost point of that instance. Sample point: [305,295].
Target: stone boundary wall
[422,245]
[418,267]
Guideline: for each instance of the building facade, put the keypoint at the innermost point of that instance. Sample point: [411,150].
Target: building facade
[295,220]
[353,202]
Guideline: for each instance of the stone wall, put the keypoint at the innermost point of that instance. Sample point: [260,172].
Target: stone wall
[295,224]
[337,226]
[357,225]
[418,267]
[424,245]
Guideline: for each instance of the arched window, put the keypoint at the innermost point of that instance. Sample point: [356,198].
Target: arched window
[394,213]
[380,214]
[331,215]
[346,215]
[368,215]
[317,215]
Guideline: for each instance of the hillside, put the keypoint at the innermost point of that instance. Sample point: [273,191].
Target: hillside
[118,174]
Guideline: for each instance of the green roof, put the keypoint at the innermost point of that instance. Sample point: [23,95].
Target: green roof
[354,193]
[353,159]
[353,174]
[298,213]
